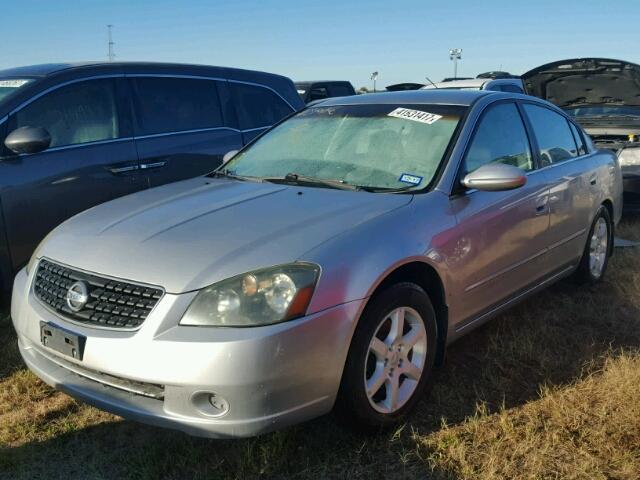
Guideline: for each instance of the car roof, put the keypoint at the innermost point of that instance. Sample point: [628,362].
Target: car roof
[44,70]
[442,97]
[309,82]
[471,83]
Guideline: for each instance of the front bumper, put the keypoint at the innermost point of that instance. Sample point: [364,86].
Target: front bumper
[269,377]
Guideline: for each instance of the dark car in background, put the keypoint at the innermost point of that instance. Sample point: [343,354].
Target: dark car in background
[603,95]
[319,90]
[76,135]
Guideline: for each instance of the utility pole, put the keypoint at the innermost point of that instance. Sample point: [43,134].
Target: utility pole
[111,54]
[374,77]
[455,54]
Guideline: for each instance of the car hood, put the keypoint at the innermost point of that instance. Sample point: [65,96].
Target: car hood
[190,234]
[585,81]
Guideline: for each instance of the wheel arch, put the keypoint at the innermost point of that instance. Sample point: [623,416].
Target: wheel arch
[426,277]
[608,204]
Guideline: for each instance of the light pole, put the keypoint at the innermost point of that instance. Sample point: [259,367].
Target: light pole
[374,77]
[455,54]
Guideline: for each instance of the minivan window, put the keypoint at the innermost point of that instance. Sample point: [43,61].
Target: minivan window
[167,104]
[318,93]
[554,136]
[81,112]
[9,86]
[258,107]
[378,146]
[500,138]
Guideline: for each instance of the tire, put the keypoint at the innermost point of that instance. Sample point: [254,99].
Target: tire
[595,258]
[402,364]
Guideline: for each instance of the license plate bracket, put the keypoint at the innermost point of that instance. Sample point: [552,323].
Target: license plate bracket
[62,340]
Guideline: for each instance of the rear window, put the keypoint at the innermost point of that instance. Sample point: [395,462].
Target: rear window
[165,104]
[340,90]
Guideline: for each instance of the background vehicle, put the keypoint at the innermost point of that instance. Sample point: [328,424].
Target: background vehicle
[329,263]
[603,95]
[495,81]
[320,90]
[74,136]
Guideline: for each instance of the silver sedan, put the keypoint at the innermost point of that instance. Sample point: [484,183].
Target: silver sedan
[327,265]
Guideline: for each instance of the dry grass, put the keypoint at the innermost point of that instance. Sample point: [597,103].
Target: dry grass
[548,390]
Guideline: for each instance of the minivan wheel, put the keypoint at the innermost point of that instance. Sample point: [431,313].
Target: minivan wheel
[595,258]
[391,357]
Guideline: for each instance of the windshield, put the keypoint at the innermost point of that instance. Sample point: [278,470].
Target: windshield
[612,110]
[375,146]
[11,85]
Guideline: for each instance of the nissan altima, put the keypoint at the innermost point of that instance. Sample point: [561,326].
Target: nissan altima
[326,265]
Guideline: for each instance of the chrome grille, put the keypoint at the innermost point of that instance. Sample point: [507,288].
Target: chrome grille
[111,304]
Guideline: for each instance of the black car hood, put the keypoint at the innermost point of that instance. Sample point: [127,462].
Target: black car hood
[585,81]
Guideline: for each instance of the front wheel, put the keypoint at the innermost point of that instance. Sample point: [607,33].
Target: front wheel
[595,258]
[391,357]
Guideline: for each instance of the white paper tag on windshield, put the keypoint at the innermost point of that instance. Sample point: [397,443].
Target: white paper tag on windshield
[415,115]
[12,83]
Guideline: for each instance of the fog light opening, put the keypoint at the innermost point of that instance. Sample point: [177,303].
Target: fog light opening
[210,404]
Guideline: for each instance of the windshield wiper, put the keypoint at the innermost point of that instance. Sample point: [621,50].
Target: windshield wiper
[297,179]
[228,174]
[388,189]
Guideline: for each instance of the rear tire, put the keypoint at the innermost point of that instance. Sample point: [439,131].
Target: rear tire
[595,258]
[391,358]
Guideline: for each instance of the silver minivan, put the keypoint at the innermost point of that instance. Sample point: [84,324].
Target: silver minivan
[328,264]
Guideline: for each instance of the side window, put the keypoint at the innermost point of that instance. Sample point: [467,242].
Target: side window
[507,87]
[554,136]
[165,104]
[257,106]
[582,148]
[318,93]
[340,90]
[78,113]
[500,138]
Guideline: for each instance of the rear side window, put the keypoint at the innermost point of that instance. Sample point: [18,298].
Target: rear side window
[78,113]
[511,88]
[340,90]
[500,138]
[318,93]
[582,148]
[165,104]
[257,107]
[554,136]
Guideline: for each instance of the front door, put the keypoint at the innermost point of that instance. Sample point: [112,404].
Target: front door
[91,159]
[500,236]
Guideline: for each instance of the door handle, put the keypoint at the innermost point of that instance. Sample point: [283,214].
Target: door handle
[593,180]
[542,205]
[119,169]
[149,166]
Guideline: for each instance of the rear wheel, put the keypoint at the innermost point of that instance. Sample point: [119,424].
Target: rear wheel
[595,258]
[391,357]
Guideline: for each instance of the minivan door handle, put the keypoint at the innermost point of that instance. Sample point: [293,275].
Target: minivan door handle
[149,166]
[119,169]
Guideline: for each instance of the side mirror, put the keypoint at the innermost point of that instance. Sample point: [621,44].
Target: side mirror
[229,155]
[28,140]
[495,177]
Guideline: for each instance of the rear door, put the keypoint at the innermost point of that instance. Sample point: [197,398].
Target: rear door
[182,128]
[502,235]
[572,177]
[91,159]
[257,107]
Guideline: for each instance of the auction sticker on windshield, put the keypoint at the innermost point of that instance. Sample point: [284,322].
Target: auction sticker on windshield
[415,115]
[411,179]
[13,83]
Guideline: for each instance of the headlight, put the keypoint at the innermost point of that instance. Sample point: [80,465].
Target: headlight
[629,157]
[262,297]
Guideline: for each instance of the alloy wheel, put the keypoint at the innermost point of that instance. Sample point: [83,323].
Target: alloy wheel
[395,360]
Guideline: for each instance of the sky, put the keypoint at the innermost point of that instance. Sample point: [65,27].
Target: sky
[332,39]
